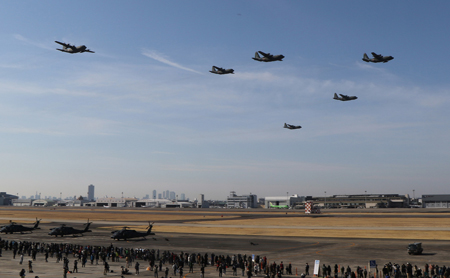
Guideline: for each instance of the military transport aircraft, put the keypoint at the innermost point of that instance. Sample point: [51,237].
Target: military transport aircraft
[291,126]
[125,233]
[218,70]
[72,48]
[377,58]
[12,227]
[267,57]
[64,231]
[344,97]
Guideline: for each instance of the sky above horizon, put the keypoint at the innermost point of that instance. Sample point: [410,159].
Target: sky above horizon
[143,113]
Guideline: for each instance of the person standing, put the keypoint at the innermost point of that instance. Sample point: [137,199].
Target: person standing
[106,268]
[307,269]
[75,266]
[136,266]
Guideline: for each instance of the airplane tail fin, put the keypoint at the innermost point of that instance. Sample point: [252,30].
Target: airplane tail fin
[335,96]
[285,125]
[365,57]
[257,55]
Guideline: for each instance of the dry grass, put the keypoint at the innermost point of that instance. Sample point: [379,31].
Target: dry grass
[99,215]
[246,226]
[338,222]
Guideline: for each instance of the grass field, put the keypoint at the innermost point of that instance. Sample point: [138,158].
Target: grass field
[271,224]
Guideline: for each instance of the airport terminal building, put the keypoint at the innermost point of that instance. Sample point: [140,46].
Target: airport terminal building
[244,201]
[436,201]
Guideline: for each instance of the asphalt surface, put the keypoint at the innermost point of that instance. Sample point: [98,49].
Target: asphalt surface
[295,250]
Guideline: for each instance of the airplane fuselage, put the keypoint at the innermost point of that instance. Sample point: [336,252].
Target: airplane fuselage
[346,98]
[273,59]
[377,58]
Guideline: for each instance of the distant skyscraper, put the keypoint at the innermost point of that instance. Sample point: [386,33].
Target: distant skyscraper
[91,189]
[167,194]
[154,194]
[182,196]
[172,195]
[159,195]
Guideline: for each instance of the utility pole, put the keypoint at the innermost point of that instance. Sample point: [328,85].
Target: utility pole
[325,204]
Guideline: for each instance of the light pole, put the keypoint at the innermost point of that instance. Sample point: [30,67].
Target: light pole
[60,194]
[365,198]
[325,203]
[287,199]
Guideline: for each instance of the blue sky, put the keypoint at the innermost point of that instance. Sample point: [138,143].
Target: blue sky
[144,113]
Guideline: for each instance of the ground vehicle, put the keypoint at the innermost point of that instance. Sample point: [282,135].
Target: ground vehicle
[415,248]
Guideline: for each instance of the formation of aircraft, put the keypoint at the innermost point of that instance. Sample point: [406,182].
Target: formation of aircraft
[72,48]
[63,230]
[267,57]
[125,233]
[377,58]
[288,126]
[344,97]
[13,227]
[218,70]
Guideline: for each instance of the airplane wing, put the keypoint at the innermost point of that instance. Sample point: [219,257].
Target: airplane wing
[344,96]
[267,55]
[67,45]
[87,50]
[377,56]
[63,44]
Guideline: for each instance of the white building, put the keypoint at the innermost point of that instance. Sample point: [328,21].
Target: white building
[244,201]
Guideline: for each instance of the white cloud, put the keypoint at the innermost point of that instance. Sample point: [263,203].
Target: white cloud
[38,44]
[159,57]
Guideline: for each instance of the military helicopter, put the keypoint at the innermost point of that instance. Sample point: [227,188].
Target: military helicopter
[13,227]
[64,231]
[125,233]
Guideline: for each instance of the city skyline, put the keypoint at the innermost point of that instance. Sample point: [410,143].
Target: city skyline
[144,113]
